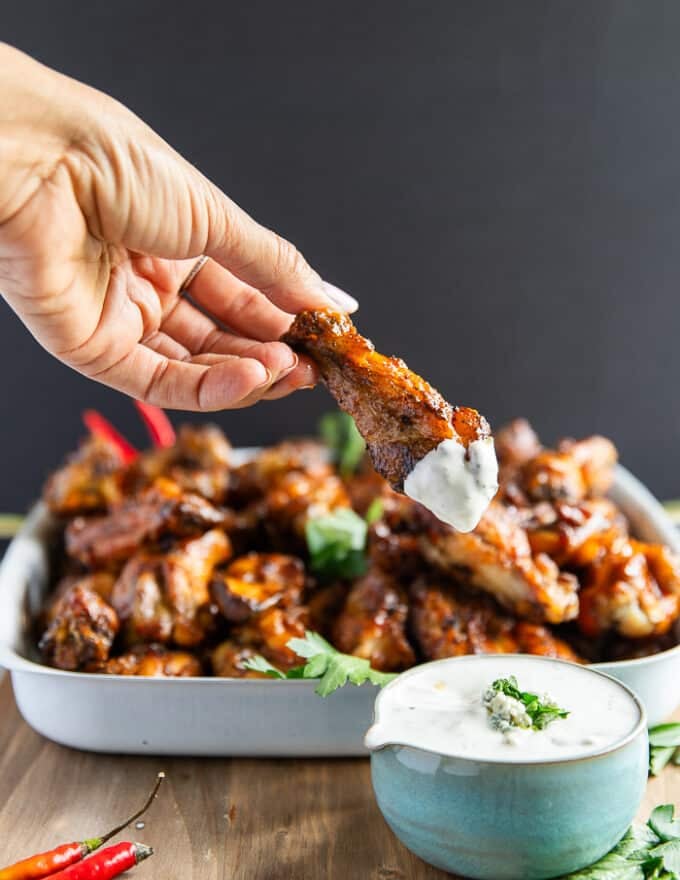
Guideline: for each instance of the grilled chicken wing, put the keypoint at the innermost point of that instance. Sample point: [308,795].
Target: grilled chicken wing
[81,631]
[497,559]
[269,632]
[400,416]
[449,621]
[255,582]
[155,661]
[161,509]
[372,623]
[228,660]
[165,597]
[574,534]
[91,480]
[633,589]
[199,462]
[576,470]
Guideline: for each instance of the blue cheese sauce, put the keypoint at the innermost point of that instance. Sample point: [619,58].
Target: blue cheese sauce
[443,707]
[456,483]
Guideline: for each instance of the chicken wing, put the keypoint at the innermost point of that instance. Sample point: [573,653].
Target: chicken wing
[81,631]
[228,660]
[91,480]
[633,589]
[576,470]
[269,632]
[372,623]
[199,462]
[574,535]
[154,661]
[449,621]
[159,597]
[400,416]
[159,510]
[255,582]
[497,559]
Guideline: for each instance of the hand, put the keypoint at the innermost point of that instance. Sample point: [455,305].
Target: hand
[100,222]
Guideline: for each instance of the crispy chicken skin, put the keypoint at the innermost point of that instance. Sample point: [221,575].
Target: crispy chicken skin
[269,632]
[91,480]
[228,660]
[400,416]
[372,623]
[574,535]
[255,582]
[153,661]
[199,462]
[496,558]
[161,509]
[159,597]
[633,589]
[81,632]
[449,621]
[576,470]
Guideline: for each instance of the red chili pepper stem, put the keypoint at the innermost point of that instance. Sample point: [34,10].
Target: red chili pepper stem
[157,424]
[101,427]
[95,842]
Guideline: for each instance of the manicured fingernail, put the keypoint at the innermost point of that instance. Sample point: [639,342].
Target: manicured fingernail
[267,381]
[342,300]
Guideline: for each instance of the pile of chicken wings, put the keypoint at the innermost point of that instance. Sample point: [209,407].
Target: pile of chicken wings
[182,563]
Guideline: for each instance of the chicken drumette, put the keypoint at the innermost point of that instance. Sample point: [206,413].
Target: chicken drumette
[401,416]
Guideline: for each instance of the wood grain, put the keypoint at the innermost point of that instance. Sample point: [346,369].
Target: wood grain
[215,818]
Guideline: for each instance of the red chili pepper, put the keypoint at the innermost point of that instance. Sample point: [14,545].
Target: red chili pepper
[157,424]
[101,427]
[107,863]
[45,864]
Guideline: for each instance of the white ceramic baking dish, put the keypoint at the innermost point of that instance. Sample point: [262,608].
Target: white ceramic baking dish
[217,716]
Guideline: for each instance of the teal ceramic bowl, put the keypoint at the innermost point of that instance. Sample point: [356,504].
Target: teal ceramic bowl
[495,820]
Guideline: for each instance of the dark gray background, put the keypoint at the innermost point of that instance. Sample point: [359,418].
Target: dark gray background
[498,183]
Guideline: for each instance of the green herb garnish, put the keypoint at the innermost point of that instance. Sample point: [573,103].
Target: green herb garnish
[332,668]
[540,710]
[650,852]
[342,437]
[336,544]
[664,746]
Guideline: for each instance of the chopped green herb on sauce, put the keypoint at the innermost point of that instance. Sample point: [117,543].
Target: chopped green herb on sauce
[508,707]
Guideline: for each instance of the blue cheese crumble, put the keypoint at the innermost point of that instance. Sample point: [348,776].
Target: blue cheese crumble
[505,713]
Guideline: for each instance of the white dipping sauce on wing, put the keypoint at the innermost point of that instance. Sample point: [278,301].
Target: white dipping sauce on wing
[438,707]
[456,483]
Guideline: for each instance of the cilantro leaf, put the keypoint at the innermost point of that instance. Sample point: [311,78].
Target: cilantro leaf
[336,544]
[332,668]
[659,756]
[325,663]
[258,663]
[665,735]
[664,824]
[541,711]
[341,435]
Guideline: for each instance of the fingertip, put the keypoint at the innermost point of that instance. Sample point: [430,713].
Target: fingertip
[229,384]
[340,298]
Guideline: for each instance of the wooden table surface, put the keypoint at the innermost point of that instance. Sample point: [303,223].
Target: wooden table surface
[214,817]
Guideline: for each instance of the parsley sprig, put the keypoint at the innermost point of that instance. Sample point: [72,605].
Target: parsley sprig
[541,711]
[650,852]
[332,668]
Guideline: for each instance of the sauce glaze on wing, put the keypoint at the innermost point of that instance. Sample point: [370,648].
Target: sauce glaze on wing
[400,415]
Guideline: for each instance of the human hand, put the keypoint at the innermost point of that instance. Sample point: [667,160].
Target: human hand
[100,222]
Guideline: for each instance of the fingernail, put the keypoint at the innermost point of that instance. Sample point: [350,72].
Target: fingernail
[267,381]
[342,300]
